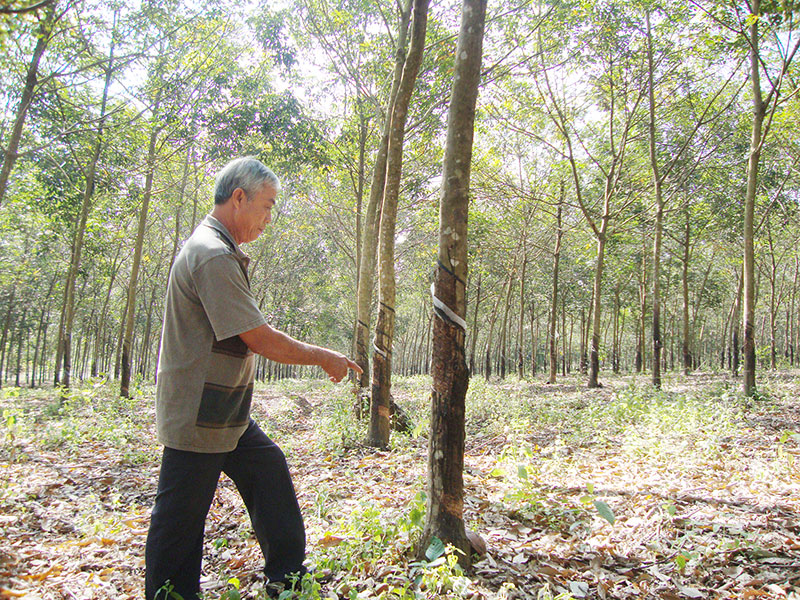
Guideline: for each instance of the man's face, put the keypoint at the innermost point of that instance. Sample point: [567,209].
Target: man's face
[254,213]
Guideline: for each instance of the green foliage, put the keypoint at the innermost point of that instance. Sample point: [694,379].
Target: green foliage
[233,592]
[439,574]
[304,86]
[369,534]
[90,413]
[167,592]
[270,28]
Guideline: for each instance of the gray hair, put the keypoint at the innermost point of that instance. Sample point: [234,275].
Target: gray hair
[247,173]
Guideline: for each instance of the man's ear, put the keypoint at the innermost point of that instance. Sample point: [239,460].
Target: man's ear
[237,197]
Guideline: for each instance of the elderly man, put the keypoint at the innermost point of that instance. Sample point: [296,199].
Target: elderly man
[212,327]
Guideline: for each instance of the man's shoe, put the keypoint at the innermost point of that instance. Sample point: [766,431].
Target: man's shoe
[322,576]
[275,588]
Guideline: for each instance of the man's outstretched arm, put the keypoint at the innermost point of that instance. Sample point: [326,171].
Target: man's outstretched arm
[280,347]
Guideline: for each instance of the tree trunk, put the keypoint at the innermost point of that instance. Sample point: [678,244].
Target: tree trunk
[127,339]
[687,333]
[658,226]
[615,333]
[791,322]
[725,350]
[773,292]
[9,349]
[582,362]
[521,321]
[640,327]
[369,248]
[445,500]
[80,230]
[493,322]
[563,337]
[359,194]
[4,337]
[736,322]
[594,363]
[144,361]
[177,236]
[534,336]
[22,331]
[504,328]
[569,344]
[42,361]
[749,303]
[487,371]
[474,339]
[551,335]
[31,78]
[587,342]
[38,354]
[102,319]
[379,424]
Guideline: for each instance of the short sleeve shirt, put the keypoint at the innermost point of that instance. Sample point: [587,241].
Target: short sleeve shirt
[205,371]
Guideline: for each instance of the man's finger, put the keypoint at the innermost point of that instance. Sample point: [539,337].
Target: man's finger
[354,366]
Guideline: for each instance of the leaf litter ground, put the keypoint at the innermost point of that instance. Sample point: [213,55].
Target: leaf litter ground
[622,492]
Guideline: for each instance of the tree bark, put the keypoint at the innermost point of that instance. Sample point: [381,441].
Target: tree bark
[735,362]
[369,248]
[749,308]
[22,336]
[659,216]
[563,337]
[4,336]
[31,78]
[379,425]
[582,360]
[687,331]
[127,338]
[504,327]
[475,327]
[80,230]
[791,323]
[773,298]
[492,322]
[615,332]
[594,359]
[640,326]
[38,355]
[521,321]
[534,335]
[551,335]
[445,500]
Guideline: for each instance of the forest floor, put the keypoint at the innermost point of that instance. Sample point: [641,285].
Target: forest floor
[621,492]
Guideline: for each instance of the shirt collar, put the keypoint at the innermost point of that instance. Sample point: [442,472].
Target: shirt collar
[214,223]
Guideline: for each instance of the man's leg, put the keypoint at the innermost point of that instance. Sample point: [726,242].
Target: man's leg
[258,468]
[174,550]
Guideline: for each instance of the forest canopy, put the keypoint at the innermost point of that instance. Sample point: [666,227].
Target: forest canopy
[610,178]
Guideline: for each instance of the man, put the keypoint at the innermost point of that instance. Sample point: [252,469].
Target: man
[212,327]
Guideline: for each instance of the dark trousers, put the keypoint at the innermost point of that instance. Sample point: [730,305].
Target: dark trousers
[186,487]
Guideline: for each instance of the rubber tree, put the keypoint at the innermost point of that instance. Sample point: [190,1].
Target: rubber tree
[90,171]
[551,330]
[605,144]
[764,109]
[444,517]
[659,208]
[130,309]
[336,32]
[675,152]
[369,239]
[379,424]
[43,36]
